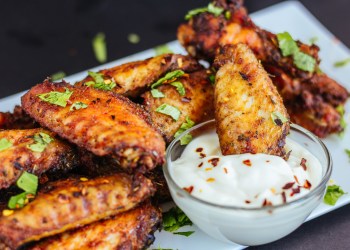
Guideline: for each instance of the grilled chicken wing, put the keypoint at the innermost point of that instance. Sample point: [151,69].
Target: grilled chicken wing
[57,156]
[17,120]
[133,78]
[130,230]
[245,102]
[67,204]
[197,103]
[109,125]
[205,33]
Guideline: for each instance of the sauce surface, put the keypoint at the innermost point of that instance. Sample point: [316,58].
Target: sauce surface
[245,180]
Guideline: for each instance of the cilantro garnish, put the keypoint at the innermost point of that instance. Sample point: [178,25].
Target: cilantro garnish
[342,122]
[162,49]
[175,219]
[313,40]
[29,184]
[332,195]
[188,233]
[347,151]
[157,94]
[78,105]
[57,98]
[211,8]
[289,47]
[278,118]
[169,110]
[99,47]
[179,87]
[99,82]
[212,79]
[41,141]
[184,126]
[4,144]
[57,76]
[168,77]
[342,63]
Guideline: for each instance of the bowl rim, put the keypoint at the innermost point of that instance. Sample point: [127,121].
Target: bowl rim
[314,191]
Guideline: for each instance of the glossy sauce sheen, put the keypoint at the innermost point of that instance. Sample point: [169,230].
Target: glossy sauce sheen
[245,180]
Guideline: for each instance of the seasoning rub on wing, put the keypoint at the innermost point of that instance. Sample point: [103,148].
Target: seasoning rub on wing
[33,150]
[249,112]
[71,203]
[102,122]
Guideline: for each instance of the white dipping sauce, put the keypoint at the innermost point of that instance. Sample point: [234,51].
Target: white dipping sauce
[245,180]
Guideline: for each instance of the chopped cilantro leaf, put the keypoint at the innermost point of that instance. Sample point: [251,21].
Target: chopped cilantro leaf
[168,77]
[342,63]
[347,151]
[99,47]
[212,79]
[341,112]
[188,233]
[57,76]
[332,195]
[78,105]
[133,38]
[287,44]
[28,182]
[195,12]
[278,118]
[4,144]
[304,61]
[227,14]
[157,94]
[57,98]
[41,141]
[184,126]
[211,8]
[215,10]
[169,110]
[179,87]
[162,49]
[99,82]
[18,201]
[175,219]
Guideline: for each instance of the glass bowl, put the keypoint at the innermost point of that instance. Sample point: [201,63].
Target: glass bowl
[249,226]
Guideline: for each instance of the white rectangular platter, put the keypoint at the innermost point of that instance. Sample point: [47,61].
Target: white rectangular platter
[288,16]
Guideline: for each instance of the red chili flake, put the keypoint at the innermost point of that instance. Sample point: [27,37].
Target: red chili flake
[200,165]
[266,203]
[247,162]
[202,155]
[284,198]
[225,170]
[288,185]
[247,201]
[303,163]
[296,179]
[214,161]
[198,150]
[188,189]
[295,191]
[307,184]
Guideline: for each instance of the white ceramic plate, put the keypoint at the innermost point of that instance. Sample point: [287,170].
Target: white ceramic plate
[288,16]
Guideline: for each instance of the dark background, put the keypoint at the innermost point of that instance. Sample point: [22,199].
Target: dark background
[40,37]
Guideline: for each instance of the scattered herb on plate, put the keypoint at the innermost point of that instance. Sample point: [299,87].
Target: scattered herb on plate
[57,76]
[100,48]
[332,195]
[162,49]
[341,63]
[175,219]
[187,234]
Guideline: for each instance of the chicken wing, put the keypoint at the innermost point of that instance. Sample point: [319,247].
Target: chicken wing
[21,155]
[106,124]
[130,230]
[67,204]
[249,112]
[196,103]
[205,33]
[131,79]
[17,120]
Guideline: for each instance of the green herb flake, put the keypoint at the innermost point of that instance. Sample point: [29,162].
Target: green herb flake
[184,126]
[134,38]
[313,40]
[168,77]
[341,63]
[287,44]
[99,47]
[169,110]
[41,142]
[227,15]
[187,234]
[57,98]
[304,61]
[347,151]
[4,144]
[195,12]
[175,219]
[212,79]
[19,200]
[78,105]
[278,118]
[343,123]
[211,8]
[217,11]
[179,87]
[157,94]
[162,49]
[99,82]
[28,182]
[57,76]
[332,195]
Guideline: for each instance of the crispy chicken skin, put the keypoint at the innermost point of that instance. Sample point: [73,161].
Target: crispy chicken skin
[67,204]
[16,120]
[58,156]
[205,33]
[245,99]
[111,125]
[197,103]
[133,78]
[130,230]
